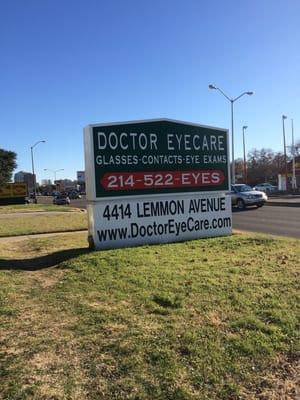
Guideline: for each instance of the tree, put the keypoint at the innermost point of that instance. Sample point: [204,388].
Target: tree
[264,166]
[297,148]
[7,165]
[239,170]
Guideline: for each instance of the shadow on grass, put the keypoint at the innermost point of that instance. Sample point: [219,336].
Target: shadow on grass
[47,261]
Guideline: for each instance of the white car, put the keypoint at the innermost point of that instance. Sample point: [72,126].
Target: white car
[265,187]
[243,196]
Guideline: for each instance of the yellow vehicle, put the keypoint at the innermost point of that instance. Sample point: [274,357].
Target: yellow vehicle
[13,193]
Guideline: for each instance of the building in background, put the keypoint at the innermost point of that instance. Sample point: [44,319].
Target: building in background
[65,185]
[25,177]
[46,182]
[281,176]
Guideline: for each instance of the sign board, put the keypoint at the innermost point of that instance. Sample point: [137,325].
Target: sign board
[131,222]
[10,190]
[129,164]
[80,176]
[155,157]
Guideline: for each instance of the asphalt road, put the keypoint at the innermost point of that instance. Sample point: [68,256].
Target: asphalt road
[282,221]
[80,203]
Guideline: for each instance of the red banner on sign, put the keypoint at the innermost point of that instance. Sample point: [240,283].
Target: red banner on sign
[161,179]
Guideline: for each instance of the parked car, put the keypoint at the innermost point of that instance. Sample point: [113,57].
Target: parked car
[61,200]
[243,195]
[74,195]
[265,187]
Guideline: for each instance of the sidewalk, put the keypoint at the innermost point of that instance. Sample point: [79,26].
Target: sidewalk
[17,238]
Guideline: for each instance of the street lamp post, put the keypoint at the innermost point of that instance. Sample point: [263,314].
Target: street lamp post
[32,164]
[232,101]
[244,151]
[293,154]
[284,148]
[54,172]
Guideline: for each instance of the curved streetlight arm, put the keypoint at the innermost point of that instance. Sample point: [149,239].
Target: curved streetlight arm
[227,97]
[241,95]
[40,141]
[224,94]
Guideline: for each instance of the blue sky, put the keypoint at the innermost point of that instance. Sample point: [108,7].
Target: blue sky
[68,63]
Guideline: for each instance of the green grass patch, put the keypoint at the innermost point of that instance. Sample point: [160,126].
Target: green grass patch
[29,208]
[207,319]
[27,224]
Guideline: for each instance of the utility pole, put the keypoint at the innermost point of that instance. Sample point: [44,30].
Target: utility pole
[232,125]
[284,147]
[244,150]
[294,183]
[32,165]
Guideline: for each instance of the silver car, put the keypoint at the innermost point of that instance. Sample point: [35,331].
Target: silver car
[243,195]
[61,200]
[265,187]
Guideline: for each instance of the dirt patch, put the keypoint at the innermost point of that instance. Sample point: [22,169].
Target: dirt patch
[215,319]
[49,278]
[46,366]
[282,382]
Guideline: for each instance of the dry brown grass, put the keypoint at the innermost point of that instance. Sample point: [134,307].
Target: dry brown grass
[281,382]
[27,225]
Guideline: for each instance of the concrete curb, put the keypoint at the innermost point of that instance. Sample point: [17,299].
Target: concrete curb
[282,204]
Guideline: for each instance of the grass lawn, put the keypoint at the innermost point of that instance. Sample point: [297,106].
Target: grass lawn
[209,319]
[28,208]
[27,224]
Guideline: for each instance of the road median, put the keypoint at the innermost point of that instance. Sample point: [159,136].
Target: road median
[42,223]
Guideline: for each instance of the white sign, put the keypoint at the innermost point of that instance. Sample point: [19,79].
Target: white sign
[81,176]
[156,181]
[132,222]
